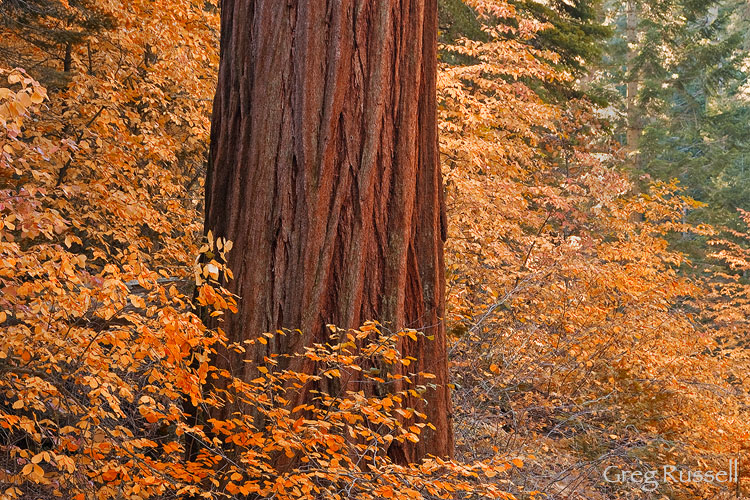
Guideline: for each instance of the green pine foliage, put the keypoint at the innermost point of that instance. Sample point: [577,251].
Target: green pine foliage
[689,62]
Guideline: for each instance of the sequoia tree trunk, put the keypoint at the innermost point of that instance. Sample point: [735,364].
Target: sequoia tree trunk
[324,173]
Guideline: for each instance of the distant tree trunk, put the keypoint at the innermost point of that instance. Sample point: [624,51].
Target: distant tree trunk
[68,60]
[634,127]
[324,173]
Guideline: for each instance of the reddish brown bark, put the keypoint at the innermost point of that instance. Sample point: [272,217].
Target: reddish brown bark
[324,173]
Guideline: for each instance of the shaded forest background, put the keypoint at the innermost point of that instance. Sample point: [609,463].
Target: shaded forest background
[597,259]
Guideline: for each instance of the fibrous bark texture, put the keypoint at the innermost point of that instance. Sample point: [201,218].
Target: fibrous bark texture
[324,173]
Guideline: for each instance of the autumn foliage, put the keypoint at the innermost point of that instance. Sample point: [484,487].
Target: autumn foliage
[107,367]
[579,337]
[99,369]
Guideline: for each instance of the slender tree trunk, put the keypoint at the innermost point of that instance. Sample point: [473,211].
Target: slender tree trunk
[324,173]
[634,127]
[68,60]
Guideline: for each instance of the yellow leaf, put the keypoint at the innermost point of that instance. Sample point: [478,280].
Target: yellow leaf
[66,462]
[24,99]
[137,301]
[212,270]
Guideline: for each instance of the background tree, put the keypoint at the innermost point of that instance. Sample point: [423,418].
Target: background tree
[324,173]
[674,74]
[53,30]
[572,336]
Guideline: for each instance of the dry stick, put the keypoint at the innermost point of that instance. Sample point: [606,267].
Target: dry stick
[518,278]
[531,247]
[64,169]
